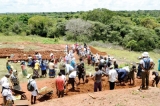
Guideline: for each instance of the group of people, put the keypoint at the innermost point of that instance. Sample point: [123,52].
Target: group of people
[69,69]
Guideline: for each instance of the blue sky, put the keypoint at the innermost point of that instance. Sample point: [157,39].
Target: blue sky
[75,5]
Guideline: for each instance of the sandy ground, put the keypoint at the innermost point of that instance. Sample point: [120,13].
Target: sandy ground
[121,97]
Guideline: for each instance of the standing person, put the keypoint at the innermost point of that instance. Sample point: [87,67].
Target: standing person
[29,60]
[7,95]
[97,77]
[89,59]
[62,67]
[113,75]
[34,93]
[156,78]
[15,81]
[139,73]
[43,67]
[36,69]
[52,56]
[93,60]
[8,66]
[51,69]
[146,64]
[81,71]
[73,63]
[23,67]
[4,79]
[115,64]
[132,75]
[60,83]
[33,63]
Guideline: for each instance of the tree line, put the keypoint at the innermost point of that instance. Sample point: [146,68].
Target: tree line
[136,30]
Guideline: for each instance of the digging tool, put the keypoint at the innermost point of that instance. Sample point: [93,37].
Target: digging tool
[91,96]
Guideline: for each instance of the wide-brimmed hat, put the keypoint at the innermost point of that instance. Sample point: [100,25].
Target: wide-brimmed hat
[145,54]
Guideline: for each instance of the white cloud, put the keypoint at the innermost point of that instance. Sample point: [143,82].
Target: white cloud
[75,5]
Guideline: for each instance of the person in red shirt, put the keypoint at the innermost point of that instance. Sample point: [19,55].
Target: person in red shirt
[60,85]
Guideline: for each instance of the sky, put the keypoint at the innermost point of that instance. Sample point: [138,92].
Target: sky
[18,6]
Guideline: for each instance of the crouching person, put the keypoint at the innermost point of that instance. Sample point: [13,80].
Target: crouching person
[7,95]
[156,78]
[33,90]
[122,76]
[72,77]
[60,83]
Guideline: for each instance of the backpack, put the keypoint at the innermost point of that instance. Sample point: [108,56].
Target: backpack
[29,86]
[147,63]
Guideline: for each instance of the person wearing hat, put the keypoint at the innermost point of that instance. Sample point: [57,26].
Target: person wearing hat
[113,75]
[156,78]
[15,81]
[146,64]
[97,77]
[34,93]
[7,95]
[60,83]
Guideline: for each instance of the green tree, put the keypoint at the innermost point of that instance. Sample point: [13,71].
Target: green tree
[132,45]
[39,25]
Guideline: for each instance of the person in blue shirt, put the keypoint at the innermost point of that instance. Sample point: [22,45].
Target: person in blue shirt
[8,66]
[73,63]
[122,75]
[43,67]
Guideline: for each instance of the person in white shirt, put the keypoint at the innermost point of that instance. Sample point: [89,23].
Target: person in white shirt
[7,95]
[113,75]
[72,77]
[5,79]
[69,68]
[34,93]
